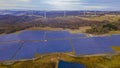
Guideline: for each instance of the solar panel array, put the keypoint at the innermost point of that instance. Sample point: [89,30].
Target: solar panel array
[88,46]
[29,49]
[55,46]
[57,35]
[28,43]
[32,35]
[7,51]
[10,37]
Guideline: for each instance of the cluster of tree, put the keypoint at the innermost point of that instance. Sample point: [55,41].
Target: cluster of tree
[103,28]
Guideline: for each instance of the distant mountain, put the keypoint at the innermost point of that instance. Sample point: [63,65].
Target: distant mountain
[55,13]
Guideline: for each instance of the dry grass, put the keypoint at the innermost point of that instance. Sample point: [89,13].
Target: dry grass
[114,32]
[75,31]
[110,18]
[116,48]
[44,28]
[80,30]
[18,32]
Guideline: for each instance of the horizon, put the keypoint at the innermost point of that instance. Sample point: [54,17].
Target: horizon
[56,10]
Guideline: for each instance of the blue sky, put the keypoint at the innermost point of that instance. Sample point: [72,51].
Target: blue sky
[60,4]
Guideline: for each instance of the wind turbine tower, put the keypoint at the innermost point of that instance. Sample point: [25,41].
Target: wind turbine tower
[95,13]
[64,13]
[45,14]
[84,12]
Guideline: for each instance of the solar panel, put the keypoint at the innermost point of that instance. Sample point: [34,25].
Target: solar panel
[63,64]
[85,42]
[114,40]
[55,42]
[9,37]
[108,41]
[57,34]
[78,35]
[102,41]
[1,38]
[28,51]
[93,50]
[85,46]
[32,35]
[8,50]
[54,46]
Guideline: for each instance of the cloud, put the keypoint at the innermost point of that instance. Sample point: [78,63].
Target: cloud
[60,4]
[63,2]
[25,0]
[95,7]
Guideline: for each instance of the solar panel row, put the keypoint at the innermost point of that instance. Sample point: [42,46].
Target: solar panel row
[8,50]
[38,35]
[30,49]
[86,46]
[31,35]
[9,37]
[57,34]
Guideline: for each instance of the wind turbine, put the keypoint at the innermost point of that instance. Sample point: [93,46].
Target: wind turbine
[32,14]
[84,12]
[64,13]
[45,14]
[95,12]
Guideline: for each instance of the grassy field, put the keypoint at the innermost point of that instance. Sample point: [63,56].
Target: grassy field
[110,18]
[80,30]
[116,48]
[18,32]
[75,31]
[50,61]
[114,32]
[44,28]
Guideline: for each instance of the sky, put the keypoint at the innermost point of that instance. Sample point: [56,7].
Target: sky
[61,4]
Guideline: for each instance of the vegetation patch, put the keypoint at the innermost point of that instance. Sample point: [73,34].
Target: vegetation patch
[104,28]
[116,48]
[114,32]
[80,30]
[110,18]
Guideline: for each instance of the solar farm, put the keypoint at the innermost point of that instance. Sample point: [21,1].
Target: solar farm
[31,42]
